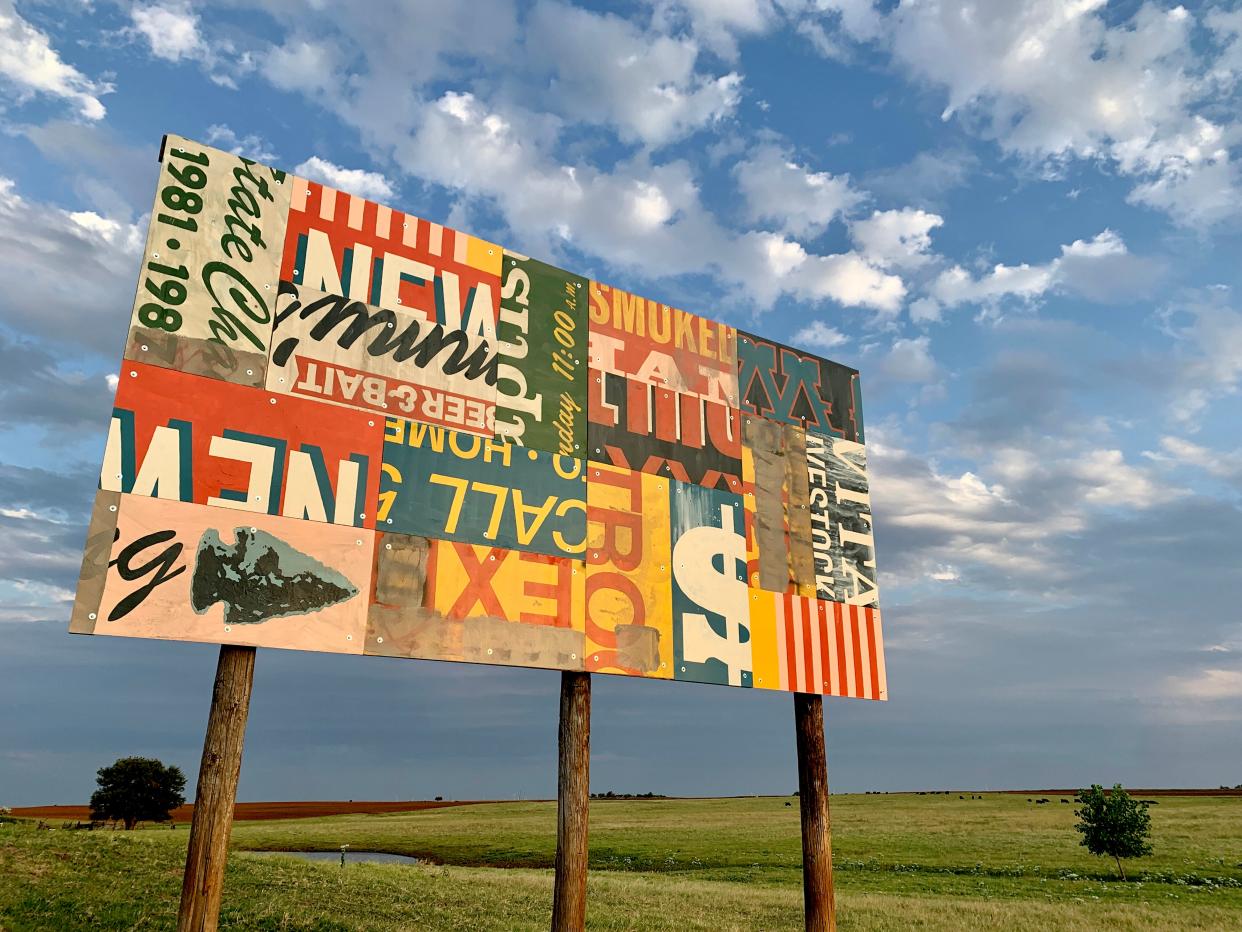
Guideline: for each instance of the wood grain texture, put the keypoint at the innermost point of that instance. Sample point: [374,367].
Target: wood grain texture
[818,897]
[573,804]
[217,791]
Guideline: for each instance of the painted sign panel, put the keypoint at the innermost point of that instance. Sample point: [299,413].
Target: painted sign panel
[196,573]
[542,374]
[652,429]
[442,600]
[711,613]
[207,287]
[813,646]
[840,511]
[453,486]
[398,439]
[663,346]
[629,611]
[346,245]
[184,438]
[775,468]
[334,349]
[794,387]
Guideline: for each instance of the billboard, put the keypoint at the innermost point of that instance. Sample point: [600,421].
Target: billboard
[341,427]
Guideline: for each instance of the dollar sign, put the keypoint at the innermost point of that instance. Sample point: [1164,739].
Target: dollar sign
[718,591]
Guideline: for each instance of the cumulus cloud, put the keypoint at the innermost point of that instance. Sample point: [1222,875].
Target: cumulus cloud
[358,181]
[1207,331]
[638,214]
[1210,684]
[251,145]
[171,30]
[38,243]
[799,201]
[896,238]
[1101,269]
[818,335]
[31,66]
[1055,80]
[605,70]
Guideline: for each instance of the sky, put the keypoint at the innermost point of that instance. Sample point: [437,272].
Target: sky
[1020,219]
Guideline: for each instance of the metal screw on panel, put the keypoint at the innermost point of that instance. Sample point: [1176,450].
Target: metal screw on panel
[133,374]
[489,652]
[388,546]
[573,656]
[358,542]
[379,640]
[155,255]
[370,423]
[361,515]
[597,658]
[144,347]
[272,400]
[249,372]
[227,629]
[349,637]
[91,616]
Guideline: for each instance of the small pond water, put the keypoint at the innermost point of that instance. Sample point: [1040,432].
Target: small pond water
[351,857]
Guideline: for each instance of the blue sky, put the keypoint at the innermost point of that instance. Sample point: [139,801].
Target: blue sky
[1019,219]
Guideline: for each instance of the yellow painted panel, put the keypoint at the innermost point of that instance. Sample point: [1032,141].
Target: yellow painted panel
[629,610]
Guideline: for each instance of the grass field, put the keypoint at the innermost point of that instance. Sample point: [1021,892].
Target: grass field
[903,862]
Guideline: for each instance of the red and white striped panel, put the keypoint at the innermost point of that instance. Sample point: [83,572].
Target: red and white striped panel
[349,220]
[830,648]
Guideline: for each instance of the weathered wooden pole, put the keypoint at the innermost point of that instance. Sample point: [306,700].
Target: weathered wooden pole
[217,791]
[573,800]
[819,901]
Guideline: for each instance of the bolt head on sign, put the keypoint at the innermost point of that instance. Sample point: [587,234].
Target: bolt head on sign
[343,427]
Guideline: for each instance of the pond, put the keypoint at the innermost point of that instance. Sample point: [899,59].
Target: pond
[351,857]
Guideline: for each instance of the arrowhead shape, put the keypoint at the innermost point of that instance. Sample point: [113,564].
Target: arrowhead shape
[261,577]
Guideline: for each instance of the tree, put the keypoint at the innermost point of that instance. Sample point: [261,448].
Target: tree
[137,789]
[1113,824]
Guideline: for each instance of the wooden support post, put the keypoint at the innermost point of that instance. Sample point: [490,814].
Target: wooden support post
[217,791]
[573,800]
[818,898]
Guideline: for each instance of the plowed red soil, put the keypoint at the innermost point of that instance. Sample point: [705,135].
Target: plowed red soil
[246,812]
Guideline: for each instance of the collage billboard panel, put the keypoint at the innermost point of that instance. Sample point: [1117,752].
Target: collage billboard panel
[342,427]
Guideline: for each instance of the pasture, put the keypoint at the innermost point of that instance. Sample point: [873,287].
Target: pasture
[903,861]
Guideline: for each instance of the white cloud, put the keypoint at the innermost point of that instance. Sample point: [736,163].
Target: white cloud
[171,30]
[38,244]
[1009,510]
[718,23]
[1101,269]
[1208,342]
[909,360]
[1212,684]
[607,71]
[28,61]
[1051,79]
[301,65]
[1178,451]
[250,145]
[797,199]
[358,181]
[895,238]
[818,335]
[638,215]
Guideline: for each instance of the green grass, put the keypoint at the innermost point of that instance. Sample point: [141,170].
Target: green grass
[903,862]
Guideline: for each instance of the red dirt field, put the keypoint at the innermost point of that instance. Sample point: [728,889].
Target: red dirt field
[248,812]
[1236,791]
